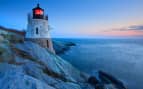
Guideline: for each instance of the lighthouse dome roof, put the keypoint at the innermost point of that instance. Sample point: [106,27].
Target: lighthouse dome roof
[38,7]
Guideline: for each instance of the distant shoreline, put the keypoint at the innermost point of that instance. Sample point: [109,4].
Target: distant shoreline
[64,47]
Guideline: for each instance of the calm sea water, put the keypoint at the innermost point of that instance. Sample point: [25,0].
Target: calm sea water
[123,58]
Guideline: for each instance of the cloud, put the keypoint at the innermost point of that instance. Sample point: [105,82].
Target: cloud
[136,27]
[134,30]
[130,28]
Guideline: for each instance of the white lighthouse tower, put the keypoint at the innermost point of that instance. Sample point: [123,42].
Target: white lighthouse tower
[37,29]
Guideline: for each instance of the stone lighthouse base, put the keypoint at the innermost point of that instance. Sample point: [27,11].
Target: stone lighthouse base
[43,42]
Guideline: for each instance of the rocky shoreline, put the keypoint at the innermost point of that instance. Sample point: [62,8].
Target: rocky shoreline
[61,47]
[103,78]
[26,65]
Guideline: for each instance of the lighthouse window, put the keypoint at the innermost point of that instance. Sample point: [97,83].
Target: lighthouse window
[37,32]
[38,12]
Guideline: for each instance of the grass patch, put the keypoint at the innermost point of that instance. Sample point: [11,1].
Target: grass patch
[1,50]
[13,38]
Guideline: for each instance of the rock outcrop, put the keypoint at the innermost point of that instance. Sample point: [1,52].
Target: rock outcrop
[61,46]
[27,65]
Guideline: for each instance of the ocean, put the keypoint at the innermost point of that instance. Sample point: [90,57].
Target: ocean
[122,58]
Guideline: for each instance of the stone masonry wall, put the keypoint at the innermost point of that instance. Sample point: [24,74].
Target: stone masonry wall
[43,42]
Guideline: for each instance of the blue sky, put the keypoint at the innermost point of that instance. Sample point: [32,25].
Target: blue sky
[79,18]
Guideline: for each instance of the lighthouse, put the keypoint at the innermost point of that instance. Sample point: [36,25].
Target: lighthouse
[38,28]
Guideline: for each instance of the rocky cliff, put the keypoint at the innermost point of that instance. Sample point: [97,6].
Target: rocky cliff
[26,65]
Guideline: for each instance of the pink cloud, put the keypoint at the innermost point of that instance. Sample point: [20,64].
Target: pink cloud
[123,33]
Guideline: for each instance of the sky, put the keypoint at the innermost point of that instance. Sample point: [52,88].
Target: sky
[79,18]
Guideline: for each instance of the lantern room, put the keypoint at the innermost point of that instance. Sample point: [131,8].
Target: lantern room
[38,13]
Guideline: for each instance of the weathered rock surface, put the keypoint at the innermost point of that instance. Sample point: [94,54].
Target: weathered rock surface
[26,65]
[13,77]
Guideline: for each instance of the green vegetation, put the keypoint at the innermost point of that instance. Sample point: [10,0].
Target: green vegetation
[1,50]
[13,38]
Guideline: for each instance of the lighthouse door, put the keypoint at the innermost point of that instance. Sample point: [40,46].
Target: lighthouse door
[47,43]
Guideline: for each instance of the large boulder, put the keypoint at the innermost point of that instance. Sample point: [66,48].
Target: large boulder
[12,77]
[57,66]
